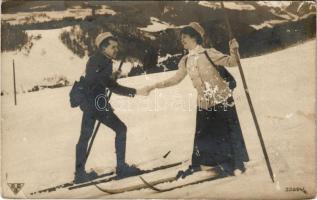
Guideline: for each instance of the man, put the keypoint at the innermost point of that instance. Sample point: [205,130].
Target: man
[218,137]
[98,80]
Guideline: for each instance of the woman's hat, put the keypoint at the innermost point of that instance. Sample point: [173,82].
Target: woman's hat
[196,26]
[101,37]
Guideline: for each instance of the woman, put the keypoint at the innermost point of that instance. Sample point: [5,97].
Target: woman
[218,137]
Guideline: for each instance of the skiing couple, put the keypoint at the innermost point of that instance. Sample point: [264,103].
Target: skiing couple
[218,137]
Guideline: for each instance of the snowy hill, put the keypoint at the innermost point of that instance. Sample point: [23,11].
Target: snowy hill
[40,133]
[149,31]
[47,57]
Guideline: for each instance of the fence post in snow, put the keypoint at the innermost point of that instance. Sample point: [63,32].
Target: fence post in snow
[14,85]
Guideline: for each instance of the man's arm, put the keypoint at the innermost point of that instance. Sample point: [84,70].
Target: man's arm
[225,60]
[95,75]
[119,89]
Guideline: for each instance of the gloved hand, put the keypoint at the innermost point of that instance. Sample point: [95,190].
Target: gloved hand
[233,44]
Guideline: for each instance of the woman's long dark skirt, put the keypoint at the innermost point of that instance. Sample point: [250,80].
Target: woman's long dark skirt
[219,139]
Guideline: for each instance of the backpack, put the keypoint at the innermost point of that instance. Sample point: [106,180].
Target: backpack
[77,94]
[224,73]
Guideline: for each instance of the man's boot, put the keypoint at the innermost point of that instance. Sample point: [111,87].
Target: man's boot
[124,170]
[82,176]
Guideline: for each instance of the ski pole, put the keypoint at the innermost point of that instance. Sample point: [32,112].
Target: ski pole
[246,90]
[92,139]
[98,125]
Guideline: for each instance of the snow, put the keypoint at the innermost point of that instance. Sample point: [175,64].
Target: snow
[157,25]
[287,16]
[268,23]
[40,133]
[163,58]
[105,10]
[36,7]
[238,6]
[209,4]
[32,17]
[126,66]
[48,57]
[277,4]
[228,5]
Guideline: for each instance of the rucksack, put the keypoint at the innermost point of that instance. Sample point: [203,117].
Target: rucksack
[224,73]
[77,94]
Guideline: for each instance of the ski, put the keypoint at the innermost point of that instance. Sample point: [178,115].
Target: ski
[117,178]
[136,187]
[151,185]
[69,184]
[100,179]
[220,171]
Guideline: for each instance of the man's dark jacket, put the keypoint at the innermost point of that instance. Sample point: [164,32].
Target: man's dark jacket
[98,78]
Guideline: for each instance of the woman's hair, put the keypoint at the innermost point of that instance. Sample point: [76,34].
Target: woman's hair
[106,42]
[192,33]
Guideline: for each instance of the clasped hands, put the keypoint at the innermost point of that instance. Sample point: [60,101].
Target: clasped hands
[145,91]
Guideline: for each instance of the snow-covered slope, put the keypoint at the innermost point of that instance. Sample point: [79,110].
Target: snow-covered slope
[40,133]
[47,57]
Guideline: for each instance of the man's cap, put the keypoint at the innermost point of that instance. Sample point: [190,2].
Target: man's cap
[199,29]
[101,37]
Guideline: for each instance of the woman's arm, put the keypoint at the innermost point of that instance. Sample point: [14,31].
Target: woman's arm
[225,60]
[177,78]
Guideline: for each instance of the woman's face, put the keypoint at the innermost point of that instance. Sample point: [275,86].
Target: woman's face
[188,42]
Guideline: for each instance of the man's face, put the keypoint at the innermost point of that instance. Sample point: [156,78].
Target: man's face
[111,50]
[188,42]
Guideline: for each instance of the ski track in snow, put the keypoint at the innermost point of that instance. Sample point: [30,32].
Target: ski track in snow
[40,133]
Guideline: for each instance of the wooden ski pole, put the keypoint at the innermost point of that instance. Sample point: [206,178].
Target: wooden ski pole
[246,90]
[14,85]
